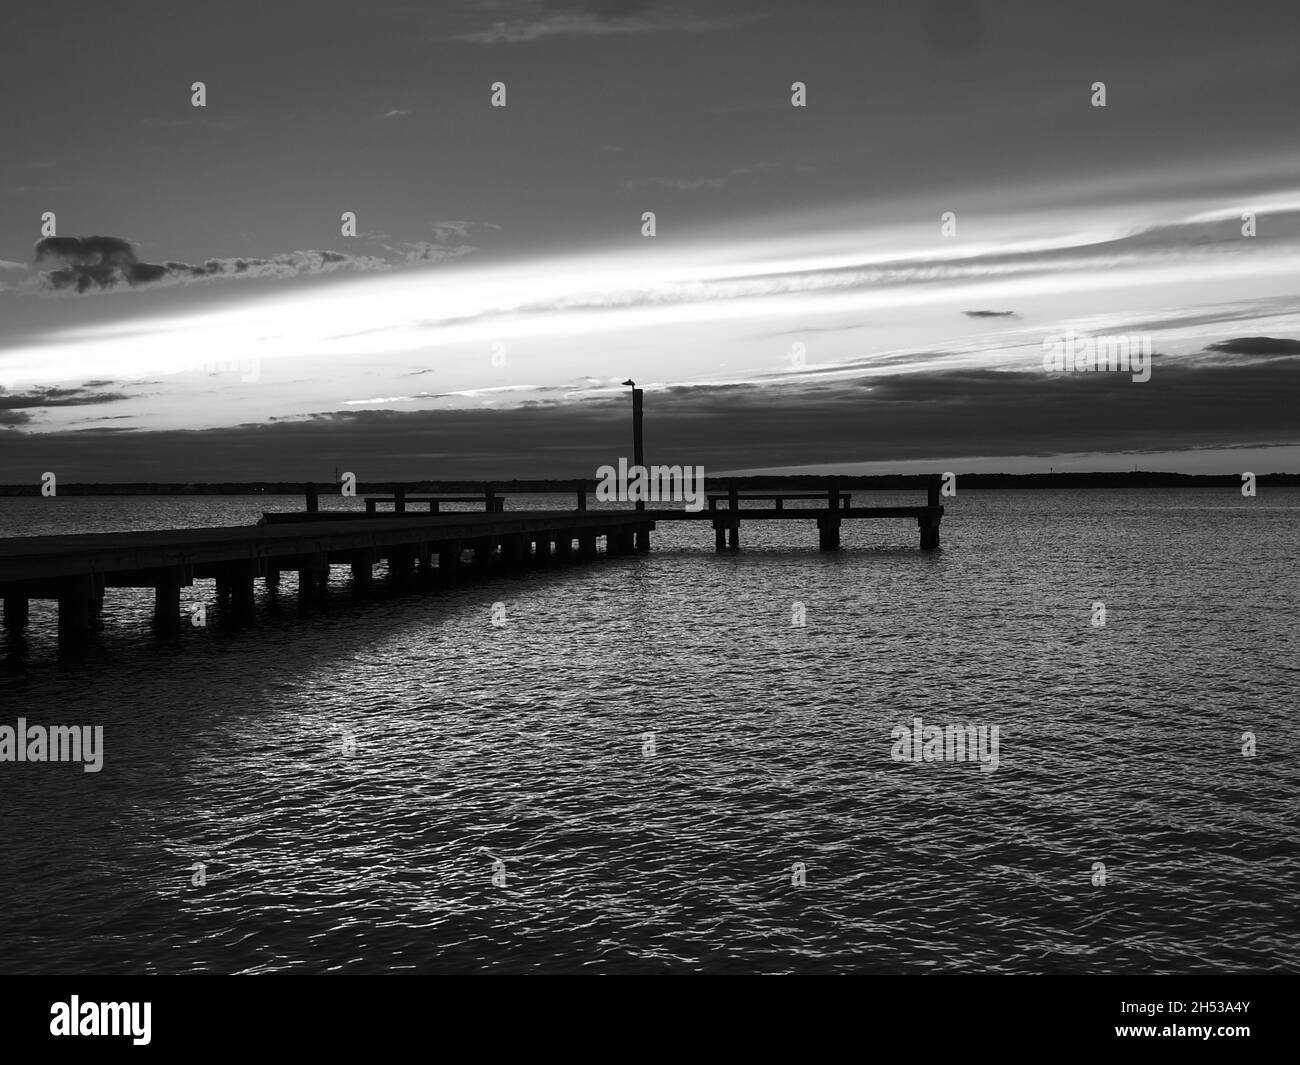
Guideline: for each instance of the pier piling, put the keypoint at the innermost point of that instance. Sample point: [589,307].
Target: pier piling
[15,611]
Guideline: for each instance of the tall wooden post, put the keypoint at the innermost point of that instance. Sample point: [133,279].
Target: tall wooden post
[638,439]
[313,499]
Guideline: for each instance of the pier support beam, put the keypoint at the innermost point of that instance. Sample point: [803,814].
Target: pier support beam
[733,537]
[514,550]
[449,561]
[313,581]
[76,601]
[564,546]
[828,534]
[719,536]
[401,563]
[929,527]
[272,579]
[587,546]
[242,598]
[643,540]
[362,564]
[167,605]
[482,555]
[15,611]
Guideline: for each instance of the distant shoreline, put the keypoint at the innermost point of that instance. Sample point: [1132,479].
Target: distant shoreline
[885,482]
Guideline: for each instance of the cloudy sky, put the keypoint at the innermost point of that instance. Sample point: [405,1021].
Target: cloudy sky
[202,311]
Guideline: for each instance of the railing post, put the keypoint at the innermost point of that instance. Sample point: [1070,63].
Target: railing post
[313,499]
[582,495]
[399,499]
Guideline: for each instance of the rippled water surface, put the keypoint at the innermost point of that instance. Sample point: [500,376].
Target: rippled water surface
[350,779]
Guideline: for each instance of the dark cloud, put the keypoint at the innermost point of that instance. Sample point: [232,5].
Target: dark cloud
[1257,346]
[106,263]
[80,396]
[85,251]
[933,415]
[990,314]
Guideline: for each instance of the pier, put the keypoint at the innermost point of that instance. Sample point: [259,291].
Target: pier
[436,548]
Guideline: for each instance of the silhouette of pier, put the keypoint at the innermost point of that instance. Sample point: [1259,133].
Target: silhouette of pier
[438,548]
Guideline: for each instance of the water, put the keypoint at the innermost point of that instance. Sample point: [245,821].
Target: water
[526,744]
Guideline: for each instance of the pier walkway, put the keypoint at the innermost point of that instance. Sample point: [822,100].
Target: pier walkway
[78,569]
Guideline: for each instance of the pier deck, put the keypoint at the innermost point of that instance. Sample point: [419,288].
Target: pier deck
[76,569]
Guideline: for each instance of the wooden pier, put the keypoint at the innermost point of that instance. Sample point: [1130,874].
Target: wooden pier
[432,548]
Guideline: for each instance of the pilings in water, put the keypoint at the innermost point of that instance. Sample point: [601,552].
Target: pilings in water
[929,523]
[76,599]
[16,614]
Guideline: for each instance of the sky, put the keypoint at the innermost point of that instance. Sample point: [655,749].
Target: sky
[866,282]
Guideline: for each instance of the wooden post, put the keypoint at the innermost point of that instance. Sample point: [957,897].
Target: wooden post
[733,536]
[399,499]
[564,545]
[16,613]
[719,535]
[167,603]
[241,593]
[401,562]
[515,549]
[75,612]
[582,495]
[313,581]
[449,561]
[587,546]
[638,441]
[272,579]
[643,539]
[313,499]
[370,506]
[929,525]
[489,499]
[363,574]
[733,498]
[828,533]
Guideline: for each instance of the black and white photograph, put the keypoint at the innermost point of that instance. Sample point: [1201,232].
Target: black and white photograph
[651,487]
